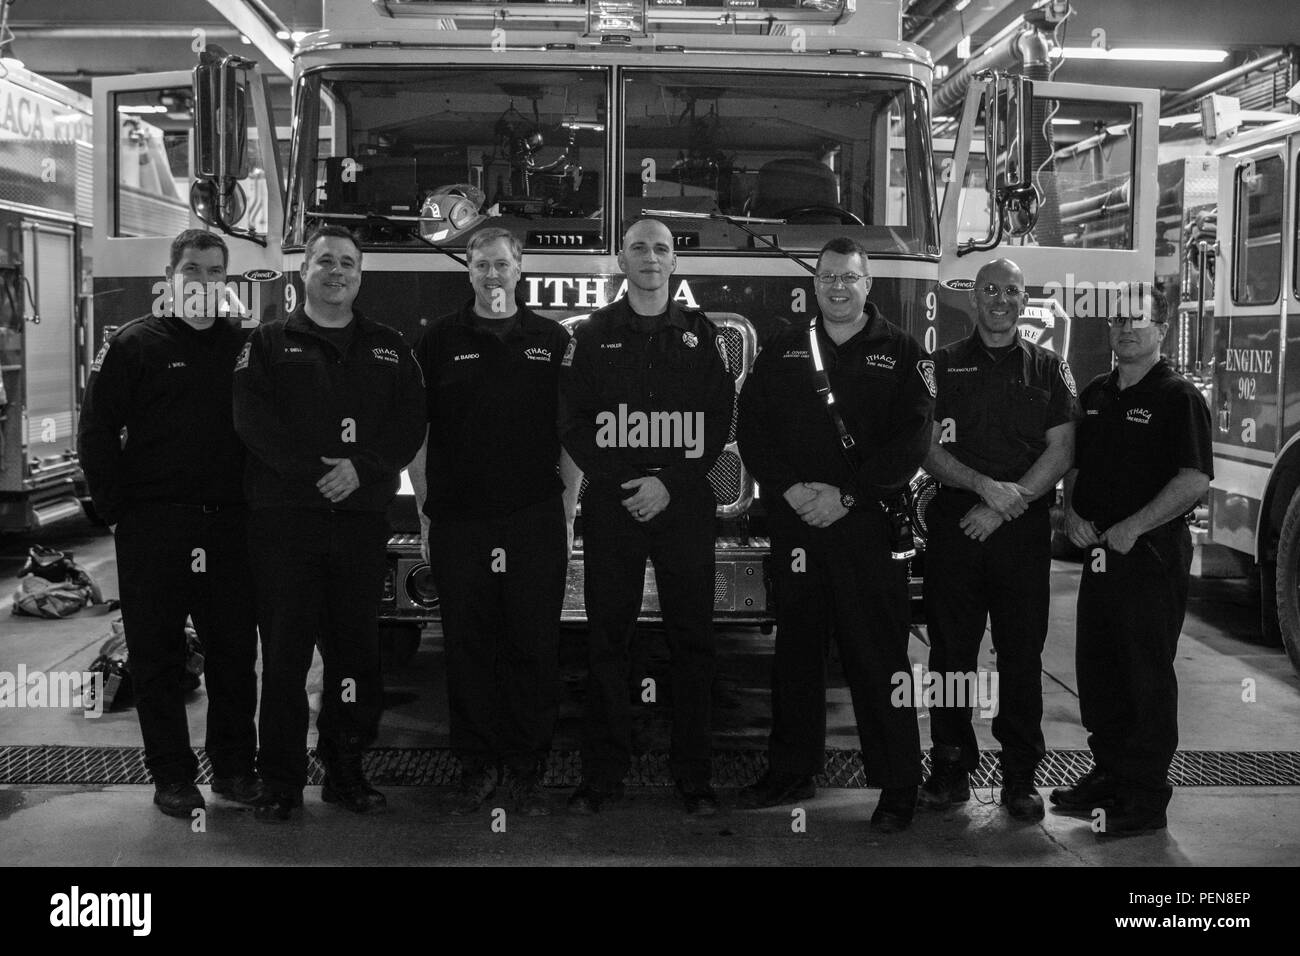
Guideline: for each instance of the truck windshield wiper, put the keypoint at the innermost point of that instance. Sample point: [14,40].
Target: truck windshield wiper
[739,223]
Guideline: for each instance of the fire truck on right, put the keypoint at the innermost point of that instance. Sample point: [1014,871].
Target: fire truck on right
[1255,381]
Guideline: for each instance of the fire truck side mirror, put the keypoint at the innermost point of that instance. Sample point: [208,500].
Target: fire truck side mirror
[220,116]
[216,207]
[1007,103]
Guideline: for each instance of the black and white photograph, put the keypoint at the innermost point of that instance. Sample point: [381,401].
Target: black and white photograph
[751,434]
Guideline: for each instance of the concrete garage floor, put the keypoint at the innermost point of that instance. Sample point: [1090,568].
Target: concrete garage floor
[117,826]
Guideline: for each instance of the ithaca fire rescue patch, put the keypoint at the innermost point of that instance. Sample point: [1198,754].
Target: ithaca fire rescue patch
[689,340]
[245,352]
[572,347]
[926,368]
[1068,377]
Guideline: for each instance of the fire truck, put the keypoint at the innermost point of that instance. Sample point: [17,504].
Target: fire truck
[756,129]
[1255,273]
[45,224]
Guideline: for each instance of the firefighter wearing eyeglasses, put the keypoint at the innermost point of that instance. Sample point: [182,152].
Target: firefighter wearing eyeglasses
[1003,436]
[1144,460]
[831,539]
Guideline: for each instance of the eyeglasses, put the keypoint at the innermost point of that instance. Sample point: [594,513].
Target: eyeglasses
[831,278]
[991,290]
[1118,322]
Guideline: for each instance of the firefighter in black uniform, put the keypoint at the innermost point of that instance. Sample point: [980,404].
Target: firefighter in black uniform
[331,406]
[172,491]
[831,538]
[1003,436]
[1144,459]
[496,505]
[645,406]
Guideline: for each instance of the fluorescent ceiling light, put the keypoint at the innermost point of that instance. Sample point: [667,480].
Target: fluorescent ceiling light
[1150,54]
[142,109]
[1058,121]
[961,5]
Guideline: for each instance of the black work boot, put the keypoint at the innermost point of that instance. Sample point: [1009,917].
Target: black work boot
[949,781]
[1019,797]
[1095,789]
[345,781]
[179,799]
[893,813]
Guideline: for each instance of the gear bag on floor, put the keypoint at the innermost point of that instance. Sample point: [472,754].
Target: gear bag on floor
[52,585]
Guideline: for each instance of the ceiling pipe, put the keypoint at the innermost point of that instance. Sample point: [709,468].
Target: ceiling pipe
[1188,98]
[1025,46]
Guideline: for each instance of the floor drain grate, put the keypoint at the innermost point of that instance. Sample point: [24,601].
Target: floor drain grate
[435,767]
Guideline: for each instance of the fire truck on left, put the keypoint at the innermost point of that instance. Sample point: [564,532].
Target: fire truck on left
[45,306]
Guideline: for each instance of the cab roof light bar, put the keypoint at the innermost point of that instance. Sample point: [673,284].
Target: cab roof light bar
[621,16]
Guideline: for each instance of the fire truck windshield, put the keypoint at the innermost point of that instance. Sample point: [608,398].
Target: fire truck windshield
[810,154]
[804,157]
[375,142]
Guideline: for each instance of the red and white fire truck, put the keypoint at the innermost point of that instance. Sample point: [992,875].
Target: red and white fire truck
[745,124]
[45,223]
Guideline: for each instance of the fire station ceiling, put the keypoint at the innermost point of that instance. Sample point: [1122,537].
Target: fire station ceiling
[73,41]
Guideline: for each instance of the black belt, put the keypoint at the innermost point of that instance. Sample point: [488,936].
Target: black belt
[206,509]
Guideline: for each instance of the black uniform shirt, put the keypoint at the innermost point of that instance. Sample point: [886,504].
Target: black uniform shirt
[299,397]
[1132,442]
[1000,407]
[492,404]
[645,364]
[881,380]
[169,385]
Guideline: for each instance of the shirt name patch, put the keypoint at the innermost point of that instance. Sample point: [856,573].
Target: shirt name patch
[880,361]
[1094,411]
[964,368]
[466,356]
[1139,416]
[176,365]
[796,354]
[611,345]
[385,355]
[538,354]
[292,349]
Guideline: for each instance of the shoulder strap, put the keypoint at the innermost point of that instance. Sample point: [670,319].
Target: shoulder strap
[822,383]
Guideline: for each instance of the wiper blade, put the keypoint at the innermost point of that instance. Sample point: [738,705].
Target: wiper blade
[739,223]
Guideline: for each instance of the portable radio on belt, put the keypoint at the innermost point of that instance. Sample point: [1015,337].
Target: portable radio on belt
[902,541]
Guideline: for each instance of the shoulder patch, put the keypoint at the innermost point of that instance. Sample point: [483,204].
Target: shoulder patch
[569,350]
[926,368]
[244,353]
[1068,377]
[722,350]
[96,365]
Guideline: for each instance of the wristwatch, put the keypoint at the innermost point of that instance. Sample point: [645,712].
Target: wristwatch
[847,500]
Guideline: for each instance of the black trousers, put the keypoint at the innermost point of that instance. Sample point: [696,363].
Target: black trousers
[679,542]
[173,562]
[501,583]
[1129,618]
[320,577]
[1005,580]
[840,582]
